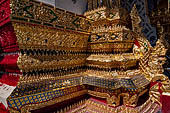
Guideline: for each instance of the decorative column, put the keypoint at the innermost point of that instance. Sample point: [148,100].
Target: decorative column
[90,4]
[94,4]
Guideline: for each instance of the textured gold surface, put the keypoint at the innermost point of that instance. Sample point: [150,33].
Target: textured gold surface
[35,12]
[39,37]
[93,106]
[75,40]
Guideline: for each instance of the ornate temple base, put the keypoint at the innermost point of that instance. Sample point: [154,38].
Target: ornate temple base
[93,105]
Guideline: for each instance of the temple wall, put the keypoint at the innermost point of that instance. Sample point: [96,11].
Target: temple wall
[51,2]
[77,7]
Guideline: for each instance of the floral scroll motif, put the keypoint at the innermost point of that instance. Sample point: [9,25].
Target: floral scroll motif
[38,13]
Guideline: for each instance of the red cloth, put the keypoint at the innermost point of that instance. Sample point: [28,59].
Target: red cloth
[10,79]
[4,12]
[9,64]
[8,44]
[8,39]
[165,104]
[3,109]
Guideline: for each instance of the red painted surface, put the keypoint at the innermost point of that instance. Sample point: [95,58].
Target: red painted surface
[137,43]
